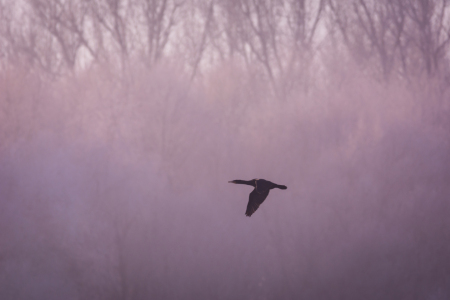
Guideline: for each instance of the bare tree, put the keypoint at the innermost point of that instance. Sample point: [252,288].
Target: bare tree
[429,32]
[392,33]
[273,35]
[371,29]
[111,17]
[66,23]
[200,39]
[303,22]
[159,18]
[22,41]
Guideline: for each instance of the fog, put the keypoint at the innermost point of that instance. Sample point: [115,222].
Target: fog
[114,164]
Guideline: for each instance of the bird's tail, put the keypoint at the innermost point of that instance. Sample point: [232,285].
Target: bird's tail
[282,187]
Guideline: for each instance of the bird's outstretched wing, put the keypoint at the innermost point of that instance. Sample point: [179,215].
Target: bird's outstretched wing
[255,200]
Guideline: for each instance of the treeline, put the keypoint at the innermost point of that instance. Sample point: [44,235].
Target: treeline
[280,38]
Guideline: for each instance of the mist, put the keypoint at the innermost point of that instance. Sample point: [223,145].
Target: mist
[117,142]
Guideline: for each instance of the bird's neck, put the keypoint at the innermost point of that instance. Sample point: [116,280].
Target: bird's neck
[247,182]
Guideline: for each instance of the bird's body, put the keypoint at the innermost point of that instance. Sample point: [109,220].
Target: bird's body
[259,193]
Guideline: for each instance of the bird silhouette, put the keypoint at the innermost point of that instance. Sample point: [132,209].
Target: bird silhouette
[259,193]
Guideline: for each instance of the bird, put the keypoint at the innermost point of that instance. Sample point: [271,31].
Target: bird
[259,193]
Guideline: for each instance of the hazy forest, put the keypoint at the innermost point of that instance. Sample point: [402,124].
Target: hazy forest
[122,121]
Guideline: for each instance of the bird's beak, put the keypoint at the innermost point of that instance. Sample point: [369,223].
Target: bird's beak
[230,182]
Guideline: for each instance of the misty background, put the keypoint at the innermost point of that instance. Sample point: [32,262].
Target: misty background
[121,122]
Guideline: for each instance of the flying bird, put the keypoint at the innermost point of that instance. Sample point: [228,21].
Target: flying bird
[259,194]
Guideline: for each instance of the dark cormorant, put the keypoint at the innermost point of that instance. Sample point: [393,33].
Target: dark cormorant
[259,194]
